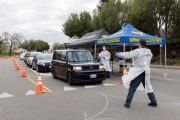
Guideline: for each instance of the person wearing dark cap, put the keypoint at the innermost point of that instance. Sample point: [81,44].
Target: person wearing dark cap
[139,75]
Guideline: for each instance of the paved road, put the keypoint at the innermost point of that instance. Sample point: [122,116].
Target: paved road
[84,101]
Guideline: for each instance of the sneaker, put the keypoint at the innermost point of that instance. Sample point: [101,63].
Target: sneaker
[152,104]
[126,105]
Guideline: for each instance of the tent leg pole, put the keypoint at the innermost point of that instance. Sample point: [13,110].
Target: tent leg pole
[95,51]
[111,59]
[165,75]
[123,58]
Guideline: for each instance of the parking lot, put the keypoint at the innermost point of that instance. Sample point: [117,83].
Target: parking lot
[95,101]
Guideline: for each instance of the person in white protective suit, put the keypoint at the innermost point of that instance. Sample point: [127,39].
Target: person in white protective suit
[138,76]
[105,57]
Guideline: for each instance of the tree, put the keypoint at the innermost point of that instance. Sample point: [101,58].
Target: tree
[41,45]
[55,46]
[77,24]
[72,26]
[85,23]
[35,45]
[3,47]
[107,16]
[12,40]
[95,20]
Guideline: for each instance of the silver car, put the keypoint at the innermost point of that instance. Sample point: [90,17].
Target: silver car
[30,58]
[21,56]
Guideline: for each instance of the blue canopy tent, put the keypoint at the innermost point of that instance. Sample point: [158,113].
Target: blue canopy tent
[130,36]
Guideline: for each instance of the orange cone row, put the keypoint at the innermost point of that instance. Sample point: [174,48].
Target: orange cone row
[39,86]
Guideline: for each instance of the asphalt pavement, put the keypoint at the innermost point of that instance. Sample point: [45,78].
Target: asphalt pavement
[96,101]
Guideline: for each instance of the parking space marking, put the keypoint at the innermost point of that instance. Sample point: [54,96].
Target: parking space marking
[30,92]
[161,78]
[107,84]
[5,95]
[69,88]
[90,86]
[44,74]
[172,104]
[91,118]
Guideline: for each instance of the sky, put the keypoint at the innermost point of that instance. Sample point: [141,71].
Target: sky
[40,19]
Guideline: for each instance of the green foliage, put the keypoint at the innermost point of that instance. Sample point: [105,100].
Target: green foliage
[109,17]
[77,24]
[32,45]
[153,60]
[173,62]
[3,48]
[55,46]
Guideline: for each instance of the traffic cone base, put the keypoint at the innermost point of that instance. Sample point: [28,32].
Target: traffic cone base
[121,82]
[39,86]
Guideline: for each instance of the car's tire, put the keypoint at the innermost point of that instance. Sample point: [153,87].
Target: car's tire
[30,66]
[69,78]
[54,74]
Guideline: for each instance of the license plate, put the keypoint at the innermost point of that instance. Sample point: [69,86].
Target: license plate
[93,76]
[49,66]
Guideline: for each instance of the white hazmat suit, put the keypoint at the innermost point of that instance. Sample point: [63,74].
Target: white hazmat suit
[141,58]
[105,60]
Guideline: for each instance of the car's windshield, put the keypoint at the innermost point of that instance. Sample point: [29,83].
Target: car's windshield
[79,56]
[22,54]
[45,57]
[32,54]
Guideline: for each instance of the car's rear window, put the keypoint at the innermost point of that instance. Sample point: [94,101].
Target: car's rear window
[45,57]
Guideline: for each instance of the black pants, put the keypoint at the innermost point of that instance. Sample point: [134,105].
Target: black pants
[107,73]
[133,86]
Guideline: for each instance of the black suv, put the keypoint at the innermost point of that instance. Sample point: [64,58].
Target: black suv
[76,66]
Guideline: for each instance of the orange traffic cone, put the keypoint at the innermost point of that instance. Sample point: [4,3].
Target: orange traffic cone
[17,67]
[24,72]
[124,73]
[39,86]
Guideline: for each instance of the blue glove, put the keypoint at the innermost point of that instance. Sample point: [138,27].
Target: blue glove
[118,54]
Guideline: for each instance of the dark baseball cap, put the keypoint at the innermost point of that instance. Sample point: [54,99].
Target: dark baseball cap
[142,42]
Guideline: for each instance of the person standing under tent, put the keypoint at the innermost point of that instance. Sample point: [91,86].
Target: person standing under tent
[138,76]
[105,59]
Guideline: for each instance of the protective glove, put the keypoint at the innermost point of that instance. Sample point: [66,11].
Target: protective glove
[118,54]
[104,58]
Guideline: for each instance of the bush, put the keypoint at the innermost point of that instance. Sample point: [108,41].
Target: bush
[153,60]
[173,61]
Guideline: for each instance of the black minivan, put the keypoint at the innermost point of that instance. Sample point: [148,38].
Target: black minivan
[76,66]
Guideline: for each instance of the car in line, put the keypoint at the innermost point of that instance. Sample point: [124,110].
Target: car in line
[76,66]
[30,58]
[26,57]
[21,56]
[42,61]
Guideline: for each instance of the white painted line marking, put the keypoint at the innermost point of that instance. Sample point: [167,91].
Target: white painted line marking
[69,88]
[172,104]
[91,118]
[5,95]
[161,78]
[30,92]
[44,74]
[90,86]
[107,84]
